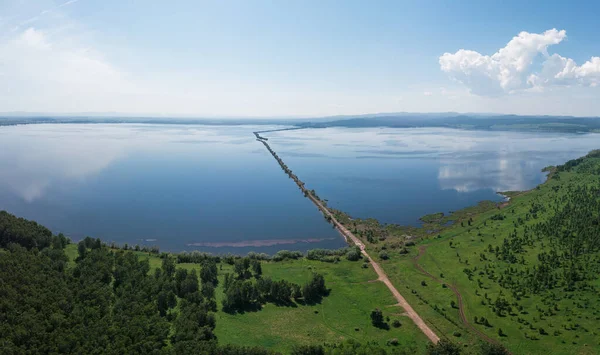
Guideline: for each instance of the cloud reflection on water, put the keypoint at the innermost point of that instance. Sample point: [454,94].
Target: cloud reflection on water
[35,158]
[468,160]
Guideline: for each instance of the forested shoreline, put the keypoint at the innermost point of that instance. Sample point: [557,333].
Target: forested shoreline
[107,299]
[110,301]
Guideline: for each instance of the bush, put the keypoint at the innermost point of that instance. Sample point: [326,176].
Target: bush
[353,255]
[286,254]
[327,255]
[396,323]
[308,350]
[393,342]
[377,317]
[383,255]
[493,349]
[457,334]
[443,347]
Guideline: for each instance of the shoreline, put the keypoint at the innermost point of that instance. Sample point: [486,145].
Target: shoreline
[382,276]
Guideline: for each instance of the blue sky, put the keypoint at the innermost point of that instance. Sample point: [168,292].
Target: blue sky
[299,58]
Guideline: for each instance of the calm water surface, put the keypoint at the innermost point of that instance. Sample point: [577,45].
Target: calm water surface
[206,188]
[399,175]
[214,188]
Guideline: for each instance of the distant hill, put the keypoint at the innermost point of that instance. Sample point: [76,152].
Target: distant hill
[463,121]
[474,121]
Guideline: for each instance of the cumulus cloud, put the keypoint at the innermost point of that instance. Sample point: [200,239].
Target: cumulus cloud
[512,68]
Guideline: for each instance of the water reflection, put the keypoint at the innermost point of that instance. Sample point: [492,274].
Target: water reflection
[494,174]
[36,157]
[398,175]
[32,163]
[210,188]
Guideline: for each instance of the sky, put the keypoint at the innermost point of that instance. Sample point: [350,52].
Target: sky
[299,58]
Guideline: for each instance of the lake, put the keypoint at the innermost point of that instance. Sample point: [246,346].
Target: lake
[398,175]
[216,189]
[210,188]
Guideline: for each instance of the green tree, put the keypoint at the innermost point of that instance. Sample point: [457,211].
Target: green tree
[256,268]
[493,349]
[443,347]
[377,317]
[168,266]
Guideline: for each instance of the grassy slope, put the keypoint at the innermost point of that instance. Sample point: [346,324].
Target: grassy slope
[353,296]
[441,258]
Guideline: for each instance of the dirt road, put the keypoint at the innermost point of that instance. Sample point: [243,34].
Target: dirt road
[382,276]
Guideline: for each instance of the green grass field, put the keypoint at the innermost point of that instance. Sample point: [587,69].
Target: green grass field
[474,254]
[342,315]
[571,327]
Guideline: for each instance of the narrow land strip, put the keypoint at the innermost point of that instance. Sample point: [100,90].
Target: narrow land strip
[382,276]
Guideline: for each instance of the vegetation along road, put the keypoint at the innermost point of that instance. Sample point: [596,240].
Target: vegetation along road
[382,276]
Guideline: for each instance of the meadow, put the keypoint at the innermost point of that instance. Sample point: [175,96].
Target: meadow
[342,315]
[526,270]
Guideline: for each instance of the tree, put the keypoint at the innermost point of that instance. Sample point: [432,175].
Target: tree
[314,289]
[208,290]
[162,303]
[81,250]
[190,284]
[353,255]
[308,350]
[377,317]
[443,347]
[256,268]
[240,267]
[168,266]
[493,349]
[208,272]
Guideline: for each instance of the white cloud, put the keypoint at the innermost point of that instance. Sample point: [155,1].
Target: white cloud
[427,93]
[44,67]
[67,3]
[511,69]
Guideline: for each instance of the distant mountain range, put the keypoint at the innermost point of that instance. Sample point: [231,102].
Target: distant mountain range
[475,121]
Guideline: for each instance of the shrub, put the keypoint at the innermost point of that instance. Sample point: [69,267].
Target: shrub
[383,255]
[443,347]
[377,317]
[393,342]
[353,255]
[396,323]
[493,349]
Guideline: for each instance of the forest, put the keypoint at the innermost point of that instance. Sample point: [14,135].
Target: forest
[109,300]
[519,275]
